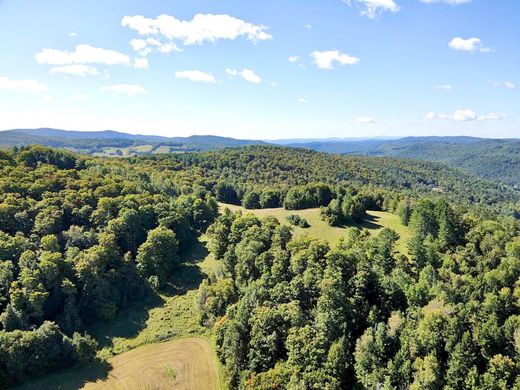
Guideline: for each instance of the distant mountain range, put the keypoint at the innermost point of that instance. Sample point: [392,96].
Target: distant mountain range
[108,142]
[493,159]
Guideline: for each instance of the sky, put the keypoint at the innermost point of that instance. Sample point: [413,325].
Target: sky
[266,69]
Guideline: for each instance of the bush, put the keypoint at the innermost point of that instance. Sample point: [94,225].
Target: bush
[296,220]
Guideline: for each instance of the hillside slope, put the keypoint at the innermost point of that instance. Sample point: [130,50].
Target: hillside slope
[270,165]
[493,159]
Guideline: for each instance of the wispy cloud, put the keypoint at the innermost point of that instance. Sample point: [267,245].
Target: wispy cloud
[82,54]
[7,84]
[465,115]
[74,70]
[246,74]
[195,75]
[505,84]
[373,8]
[444,87]
[141,63]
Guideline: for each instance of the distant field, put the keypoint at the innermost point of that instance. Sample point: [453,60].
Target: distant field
[187,363]
[374,223]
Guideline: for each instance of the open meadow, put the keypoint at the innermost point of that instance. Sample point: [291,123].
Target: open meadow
[374,223]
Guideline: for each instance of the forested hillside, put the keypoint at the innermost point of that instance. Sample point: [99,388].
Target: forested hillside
[81,238]
[298,314]
[493,159]
[257,167]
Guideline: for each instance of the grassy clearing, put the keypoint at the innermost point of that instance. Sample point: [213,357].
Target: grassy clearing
[162,149]
[187,363]
[374,223]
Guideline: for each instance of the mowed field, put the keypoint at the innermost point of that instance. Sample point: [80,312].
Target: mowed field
[177,364]
[374,223]
[187,364]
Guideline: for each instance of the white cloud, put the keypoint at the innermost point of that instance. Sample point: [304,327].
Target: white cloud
[303,101]
[327,59]
[75,70]
[7,84]
[366,120]
[73,34]
[83,54]
[308,27]
[246,74]
[451,2]
[469,45]
[195,75]
[372,8]
[293,59]
[141,63]
[138,44]
[444,87]
[202,28]
[129,89]
[505,84]
[464,115]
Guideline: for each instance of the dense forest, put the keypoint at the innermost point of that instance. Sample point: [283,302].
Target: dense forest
[82,237]
[258,168]
[492,159]
[297,314]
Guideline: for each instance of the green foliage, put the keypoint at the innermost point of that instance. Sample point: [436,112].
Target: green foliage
[294,313]
[28,354]
[79,240]
[345,210]
[296,220]
[157,256]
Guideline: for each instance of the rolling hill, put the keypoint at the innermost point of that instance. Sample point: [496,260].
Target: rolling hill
[114,143]
[493,159]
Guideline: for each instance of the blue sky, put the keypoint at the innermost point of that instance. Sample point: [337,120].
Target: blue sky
[262,69]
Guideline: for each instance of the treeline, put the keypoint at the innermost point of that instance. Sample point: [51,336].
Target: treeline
[259,169]
[81,238]
[296,314]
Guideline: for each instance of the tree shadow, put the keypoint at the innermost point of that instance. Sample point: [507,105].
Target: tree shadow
[70,379]
[131,319]
[188,275]
[371,222]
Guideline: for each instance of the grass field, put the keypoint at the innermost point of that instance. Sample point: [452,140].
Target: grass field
[375,222]
[187,363]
